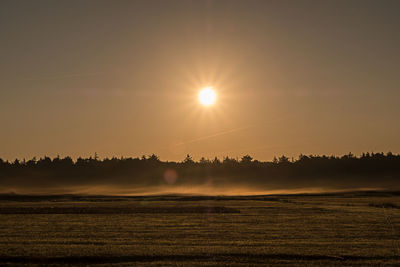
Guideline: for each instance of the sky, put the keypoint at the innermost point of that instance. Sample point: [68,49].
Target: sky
[121,78]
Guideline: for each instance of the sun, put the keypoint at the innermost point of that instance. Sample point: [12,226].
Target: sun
[207,96]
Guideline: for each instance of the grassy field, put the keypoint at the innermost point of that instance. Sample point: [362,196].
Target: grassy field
[337,229]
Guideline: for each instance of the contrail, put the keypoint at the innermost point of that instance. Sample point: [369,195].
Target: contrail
[214,135]
[63,76]
[224,133]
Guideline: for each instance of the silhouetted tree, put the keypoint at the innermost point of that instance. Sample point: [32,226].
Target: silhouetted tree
[216,161]
[204,161]
[246,159]
[283,159]
[188,159]
[153,158]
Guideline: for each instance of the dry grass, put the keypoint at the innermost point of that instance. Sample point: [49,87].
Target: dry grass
[303,230]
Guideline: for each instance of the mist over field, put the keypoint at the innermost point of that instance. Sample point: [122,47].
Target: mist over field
[206,190]
[150,176]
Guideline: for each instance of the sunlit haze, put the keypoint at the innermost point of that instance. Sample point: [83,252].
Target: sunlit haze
[123,79]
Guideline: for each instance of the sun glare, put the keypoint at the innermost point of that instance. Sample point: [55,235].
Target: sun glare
[207,96]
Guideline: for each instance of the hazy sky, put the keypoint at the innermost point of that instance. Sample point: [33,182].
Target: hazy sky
[121,78]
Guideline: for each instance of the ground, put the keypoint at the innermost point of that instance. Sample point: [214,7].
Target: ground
[360,228]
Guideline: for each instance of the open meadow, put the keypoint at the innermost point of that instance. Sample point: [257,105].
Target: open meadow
[361,228]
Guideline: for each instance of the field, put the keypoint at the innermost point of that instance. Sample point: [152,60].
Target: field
[359,228]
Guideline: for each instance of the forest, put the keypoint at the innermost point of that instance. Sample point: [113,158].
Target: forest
[369,170]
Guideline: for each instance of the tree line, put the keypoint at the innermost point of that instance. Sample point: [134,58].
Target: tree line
[368,169]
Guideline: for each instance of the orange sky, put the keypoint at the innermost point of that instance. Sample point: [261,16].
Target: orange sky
[121,78]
